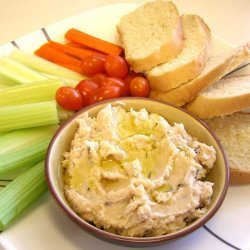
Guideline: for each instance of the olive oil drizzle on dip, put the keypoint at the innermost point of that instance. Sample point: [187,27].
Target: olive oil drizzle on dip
[133,174]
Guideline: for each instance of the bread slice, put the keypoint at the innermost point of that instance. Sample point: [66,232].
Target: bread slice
[216,67]
[225,97]
[189,62]
[234,134]
[150,35]
[242,70]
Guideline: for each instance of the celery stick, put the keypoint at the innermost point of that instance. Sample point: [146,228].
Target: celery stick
[18,160]
[43,65]
[7,81]
[24,138]
[4,182]
[28,93]
[18,72]
[22,148]
[28,115]
[67,81]
[3,86]
[71,82]
[14,173]
[21,193]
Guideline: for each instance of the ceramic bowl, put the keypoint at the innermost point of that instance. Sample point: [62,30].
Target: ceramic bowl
[60,143]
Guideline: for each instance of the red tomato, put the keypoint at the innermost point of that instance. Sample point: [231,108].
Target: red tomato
[93,64]
[87,89]
[98,78]
[112,81]
[116,66]
[139,86]
[131,75]
[106,92]
[69,98]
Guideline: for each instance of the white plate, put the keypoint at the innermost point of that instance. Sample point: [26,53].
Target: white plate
[43,226]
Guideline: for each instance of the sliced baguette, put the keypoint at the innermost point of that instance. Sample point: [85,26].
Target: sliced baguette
[225,97]
[234,134]
[189,62]
[150,35]
[216,67]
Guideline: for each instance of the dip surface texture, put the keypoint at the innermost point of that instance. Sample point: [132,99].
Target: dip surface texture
[133,174]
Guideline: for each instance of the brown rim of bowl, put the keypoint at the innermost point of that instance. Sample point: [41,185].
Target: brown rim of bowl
[125,239]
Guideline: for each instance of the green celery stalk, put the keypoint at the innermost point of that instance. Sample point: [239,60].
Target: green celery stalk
[14,173]
[3,86]
[28,115]
[7,81]
[18,72]
[43,65]
[16,140]
[4,182]
[67,81]
[22,148]
[29,93]
[17,160]
[21,193]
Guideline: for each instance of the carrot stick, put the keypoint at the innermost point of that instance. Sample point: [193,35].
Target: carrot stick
[76,52]
[46,52]
[80,37]
[81,46]
[71,67]
[77,45]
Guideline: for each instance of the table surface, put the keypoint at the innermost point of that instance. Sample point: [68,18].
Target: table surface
[229,19]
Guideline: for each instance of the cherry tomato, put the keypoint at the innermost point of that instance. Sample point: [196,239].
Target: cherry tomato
[98,78]
[93,64]
[87,89]
[139,86]
[112,81]
[116,66]
[106,92]
[69,98]
[131,75]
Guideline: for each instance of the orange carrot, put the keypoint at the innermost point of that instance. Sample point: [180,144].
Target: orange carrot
[76,52]
[80,37]
[76,45]
[46,52]
[71,67]
[81,46]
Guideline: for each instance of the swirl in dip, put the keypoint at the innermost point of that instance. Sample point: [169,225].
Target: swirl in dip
[133,174]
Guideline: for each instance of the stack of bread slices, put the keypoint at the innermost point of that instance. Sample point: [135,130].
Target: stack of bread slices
[174,52]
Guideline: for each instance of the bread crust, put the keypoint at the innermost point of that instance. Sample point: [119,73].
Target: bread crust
[206,107]
[186,72]
[239,176]
[186,92]
[229,131]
